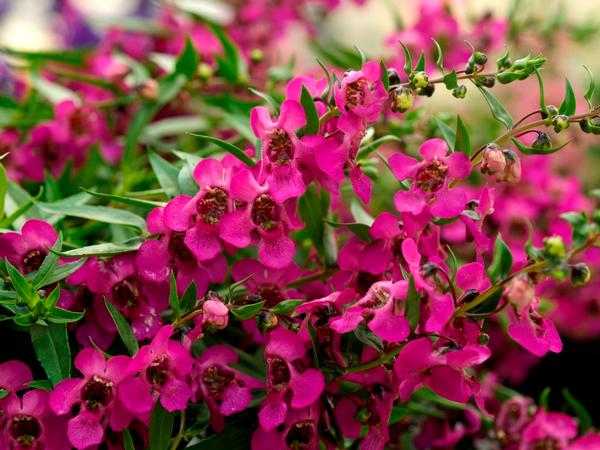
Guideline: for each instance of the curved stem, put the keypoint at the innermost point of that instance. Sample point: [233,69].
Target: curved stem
[385,358]
[181,431]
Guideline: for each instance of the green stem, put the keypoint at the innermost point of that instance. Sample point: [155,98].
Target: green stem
[181,432]
[383,359]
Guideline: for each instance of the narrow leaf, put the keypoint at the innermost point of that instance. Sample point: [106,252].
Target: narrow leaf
[161,427]
[502,262]
[589,92]
[569,104]
[407,59]
[463,140]
[123,328]
[538,151]
[166,174]
[51,345]
[310,110]
[228,147]
[498,111]
[95,213]
[439,60]
[247,311]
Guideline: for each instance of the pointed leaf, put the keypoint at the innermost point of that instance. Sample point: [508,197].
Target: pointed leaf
[502,262]
[310,110]
[538,151]
[161,427]
[228,147]
[247,311]
[407,59]
[498,111]
[51,345]
[463,140]
[589,92]
[569,104]
[123,328]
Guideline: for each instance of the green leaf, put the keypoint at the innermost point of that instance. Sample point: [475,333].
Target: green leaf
[228,147]
[187,62]
[140,203]
[385,78]
[366,149]
[439,60]
[502,262]
[310,110]
[538,151]
[174,126]
[286,306]
[123,328]
[544,397]
[543,106]
[451,80]
[489,305]
[24,289]
[312,212]
[61,272]
[589,92]
[420,67]
[267,98]
[128,440]
[46,385]
[173,297]
[500,62]
[463,140]
[96,213]
[3,188]
[231,66]
[413,308]
[48,265]
[53,92]
[236,435]
[166,174]
[447,133]
[407,59]
[51,345]
[60,315]
[585,419]
[568,105]
[359,229]
[498,111]
[161,427]
[105,249]
[24,206]
[189,299]
[247,311]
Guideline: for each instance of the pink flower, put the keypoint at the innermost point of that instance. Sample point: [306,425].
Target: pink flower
[361,92]
[96,394]
[225,390]
[215,314]
[159,369]
[534,333]
[28,249]
[430,180]
[14,376]
[300,430]
[383,302]
[288,379]
[550,429]
[81,126]
[261,217]
[281,148]
[30,424]
[419,362]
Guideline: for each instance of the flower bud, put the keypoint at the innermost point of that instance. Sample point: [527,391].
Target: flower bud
[256,55]
[205,71]
[560,274]
[419,79]
[554,247]
[512,171]
[552,110]
[483,339]
[459,91]
[479,58]
[266,320]
[560,123]
[427,91]
[488,81]
[542,142]
[402,99]
[580,274]
[493,160]
[148,90]
[215,315]
[520,292]
[393,77]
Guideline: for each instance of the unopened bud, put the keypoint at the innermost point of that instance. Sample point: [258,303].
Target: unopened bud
[427,91]
[402,99]
[149,89]
[520,292]
[483,339]
[552,110]
[205,71]
[393,76]
[580,274]
[479,58]
[266,320]
[256,55]
[487,81]
[560,123]
[459,91]
[554,247]
[512,171]
[419,79]
[542,142]
[493,160]
[215,315]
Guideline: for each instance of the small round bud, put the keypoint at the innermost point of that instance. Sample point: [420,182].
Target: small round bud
[266,321]
[427,91]
[560,274]
[256,55]
[560,123]
[520,292]
[402,99]
[419,79]
[479,58]
[148,90]
[393,76]
[469,68]
[552,110]
[215,315]
[205,71]
[488,81]
[580,274]
[554,247]
[512,171]
[542,142]
[493,160]
[483,339]
[459,91]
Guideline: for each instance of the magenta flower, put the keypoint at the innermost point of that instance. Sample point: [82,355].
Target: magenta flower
[552,429]
[159,369]
[14,376]
[315,88]
[534,333]
[288,379]
[96,395]
[200,217]
[28,249]
[157,257]
[281,148]
[448,433]
[442,371]
[261,217]
[299,431]
[430,180]
[29,423]
[383,302]
[225,390]
[361,92]
[81,126]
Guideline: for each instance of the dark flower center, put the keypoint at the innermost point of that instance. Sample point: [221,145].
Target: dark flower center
[547,443]
[212,206]
[33,259]
[431,177]
[397,248]
[50,150]
[78,122]
[356,91]
[364,280]
[265,212]
[271,294]
[157,372]
[280,149]
[279,373]
[127,293]
[216,379]
[25,430]
[178,248]
[379,299]
[300,435]
[97,393]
